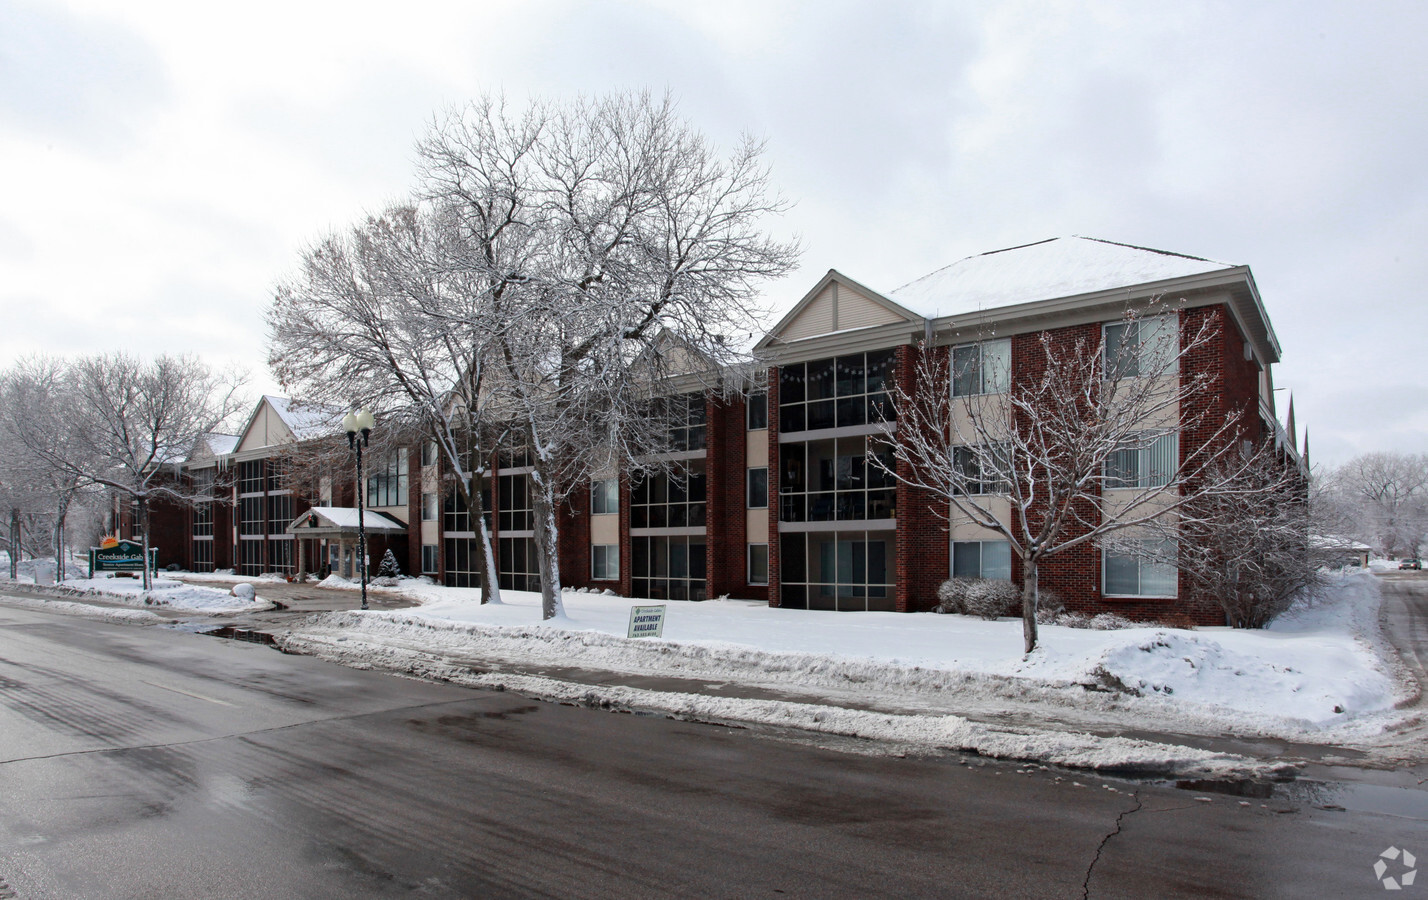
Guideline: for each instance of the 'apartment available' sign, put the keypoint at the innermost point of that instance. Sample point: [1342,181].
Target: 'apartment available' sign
[646,621]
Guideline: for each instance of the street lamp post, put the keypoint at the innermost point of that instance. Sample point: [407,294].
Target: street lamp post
[360,422]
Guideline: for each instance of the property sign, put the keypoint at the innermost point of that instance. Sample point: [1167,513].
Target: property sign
[121,556]
[646,621]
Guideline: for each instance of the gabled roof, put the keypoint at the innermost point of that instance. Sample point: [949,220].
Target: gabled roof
[1046,270]
[220,444]
[327,520]
[306,420]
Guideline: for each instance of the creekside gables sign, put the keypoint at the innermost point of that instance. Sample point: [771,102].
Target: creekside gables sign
[125,556]
[646,621]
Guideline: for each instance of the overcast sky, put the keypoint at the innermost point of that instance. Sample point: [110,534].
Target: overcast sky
[164,163]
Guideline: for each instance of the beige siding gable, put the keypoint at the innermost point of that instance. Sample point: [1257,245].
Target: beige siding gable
[266,430]
[838,307]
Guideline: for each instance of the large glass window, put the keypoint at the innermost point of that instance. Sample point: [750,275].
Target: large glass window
[668,568]
[250,556]
[669,500]
[605,496]
[252,516]
[456,518]
[843,570]
[835,393]
[280,555]
[430,562]
[1140,569]
[1146,346]
[387,480]
[605,562]
[981,559]
[463,566]
[517,565]
[981,368]
[203,555]
[1151,461]
[687,417]
[430,506]
[250,477]
[517,512]
[832,480]
[203,510]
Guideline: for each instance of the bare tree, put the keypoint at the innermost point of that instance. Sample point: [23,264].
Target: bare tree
[631,256]
[1246,544]
[133,422]
[1389,494]
[1083,443]
[392,315]
[38,428]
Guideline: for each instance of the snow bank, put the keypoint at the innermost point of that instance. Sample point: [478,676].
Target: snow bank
[163,592]
[1314,672]
[85,610]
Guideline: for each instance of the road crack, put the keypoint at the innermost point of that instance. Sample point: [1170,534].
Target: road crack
[1086,884]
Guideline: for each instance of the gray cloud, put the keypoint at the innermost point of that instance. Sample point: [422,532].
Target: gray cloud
[81,82]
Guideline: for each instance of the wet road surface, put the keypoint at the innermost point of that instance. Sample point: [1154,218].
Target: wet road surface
[146,762]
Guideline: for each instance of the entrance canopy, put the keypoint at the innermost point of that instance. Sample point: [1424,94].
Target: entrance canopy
[341,522]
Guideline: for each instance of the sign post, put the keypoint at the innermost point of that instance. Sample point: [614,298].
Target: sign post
[646,621]
[121,556]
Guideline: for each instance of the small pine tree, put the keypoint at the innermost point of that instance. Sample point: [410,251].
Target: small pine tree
[389,567]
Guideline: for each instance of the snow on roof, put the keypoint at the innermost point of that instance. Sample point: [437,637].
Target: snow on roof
[1334,542]
[346,517]
[305,420]
[1046,270]
[222,444]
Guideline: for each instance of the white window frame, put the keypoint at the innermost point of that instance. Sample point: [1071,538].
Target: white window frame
[430,506]
[1156,456]
[750,497]
[749,564]
[983,484]
[610,553]
[605,496]
[433,565]
[748,410]
[428,453]
[981,559]
[993,366]
[1153,341]
[1145,566]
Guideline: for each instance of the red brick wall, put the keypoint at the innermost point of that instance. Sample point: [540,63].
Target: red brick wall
[574,522]
[923,546]
[725,521]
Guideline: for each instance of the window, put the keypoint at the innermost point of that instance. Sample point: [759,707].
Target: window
[429,559]
[758,411]
[687,418]
[430,506]
[842,570]
[250,477]
[832,480]
[669,501]
[428,453]
[456,518]
[981,471]
[1142,347]
[1151,461]
[758,564]
[517,513]
[835,393]
[759,488]
[605,562]
[252,518]
[387,480]
[668,568]
[463,568]
[981,559]
[605,496]
[1140,569]
[981,368]
[203,555]
[280,556]
[280,513]
[518,567]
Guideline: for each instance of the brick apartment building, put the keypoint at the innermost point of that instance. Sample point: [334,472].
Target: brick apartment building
[779,504]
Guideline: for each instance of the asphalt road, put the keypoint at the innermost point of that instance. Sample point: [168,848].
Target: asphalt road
[147,762]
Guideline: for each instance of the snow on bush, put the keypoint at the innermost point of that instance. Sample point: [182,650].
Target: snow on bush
[989,598]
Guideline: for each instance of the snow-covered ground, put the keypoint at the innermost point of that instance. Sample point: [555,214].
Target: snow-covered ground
[1319,674]
[163,592]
